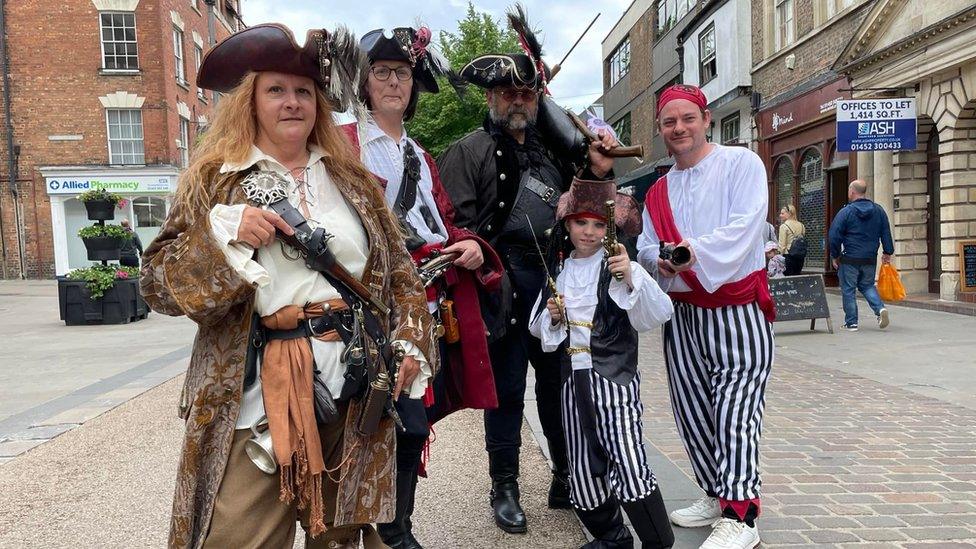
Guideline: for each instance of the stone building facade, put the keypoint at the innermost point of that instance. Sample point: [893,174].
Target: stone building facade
[924,50]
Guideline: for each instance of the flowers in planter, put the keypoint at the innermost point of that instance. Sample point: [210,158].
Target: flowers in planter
[100,194]
[109,231]
[100,278]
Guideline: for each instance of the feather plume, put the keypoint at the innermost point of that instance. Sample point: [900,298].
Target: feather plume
[519,23]
[342,63]
[440,66]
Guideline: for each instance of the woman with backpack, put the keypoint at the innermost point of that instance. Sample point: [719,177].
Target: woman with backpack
[792,241]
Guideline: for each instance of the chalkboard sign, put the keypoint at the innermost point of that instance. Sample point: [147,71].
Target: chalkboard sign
[800,297]
[967,266]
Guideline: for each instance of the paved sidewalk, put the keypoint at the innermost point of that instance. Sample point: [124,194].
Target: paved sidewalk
[109,484]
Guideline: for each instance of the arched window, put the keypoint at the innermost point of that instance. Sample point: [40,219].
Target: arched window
[783,179]
[813,204]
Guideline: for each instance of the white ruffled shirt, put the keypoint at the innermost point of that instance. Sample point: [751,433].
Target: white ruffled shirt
[383,155]
[720,207]
[646,305]
[281,280]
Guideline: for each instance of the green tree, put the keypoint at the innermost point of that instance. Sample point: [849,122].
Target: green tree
[443,118]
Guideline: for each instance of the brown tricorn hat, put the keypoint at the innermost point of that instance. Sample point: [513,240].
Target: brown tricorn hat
[590,197]
[267,47]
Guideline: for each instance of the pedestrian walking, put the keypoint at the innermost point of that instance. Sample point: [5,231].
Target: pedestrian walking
[322,380]
[498,177]
[719,345]
[592,322]
[857,231]
[131,249]
[401,66]
[792,240]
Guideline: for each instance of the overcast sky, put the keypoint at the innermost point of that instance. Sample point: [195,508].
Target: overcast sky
[560,22]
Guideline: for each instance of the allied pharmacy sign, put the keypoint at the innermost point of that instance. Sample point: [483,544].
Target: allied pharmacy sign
[133,184]
[876,125]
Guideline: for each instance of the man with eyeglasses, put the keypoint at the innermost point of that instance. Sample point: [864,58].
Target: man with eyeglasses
[499,177]
[402,64]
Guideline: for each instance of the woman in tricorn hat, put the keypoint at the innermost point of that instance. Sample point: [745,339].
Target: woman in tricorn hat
[217,261]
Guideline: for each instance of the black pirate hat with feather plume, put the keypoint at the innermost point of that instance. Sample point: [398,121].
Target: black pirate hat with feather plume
[412,46]
[522,70]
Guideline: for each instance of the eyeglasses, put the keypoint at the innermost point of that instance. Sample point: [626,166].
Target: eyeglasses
[510,94]
[382,73]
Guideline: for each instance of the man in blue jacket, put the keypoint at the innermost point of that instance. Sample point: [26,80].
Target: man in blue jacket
[854,237]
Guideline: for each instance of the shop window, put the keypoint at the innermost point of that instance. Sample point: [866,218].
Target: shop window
[148,211]
[813,204]
[784,25]
[178,53]
[620,61]
[622,129]
[119,48]
[184,144]
[125,145]
[707,65]
[730,129]
[783,179]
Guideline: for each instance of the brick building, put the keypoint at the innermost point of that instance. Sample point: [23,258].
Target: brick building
[640,59]
[794,46]
[627,77]
[97,93]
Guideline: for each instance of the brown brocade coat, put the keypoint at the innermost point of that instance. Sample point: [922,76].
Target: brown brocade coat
[185,273]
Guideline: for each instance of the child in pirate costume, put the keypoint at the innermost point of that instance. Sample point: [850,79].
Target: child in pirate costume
[401,66]
[601,305]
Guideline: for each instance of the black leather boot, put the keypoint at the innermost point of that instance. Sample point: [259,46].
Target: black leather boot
[606,525]
[503,467]
[397,534]
[650,520]
[559,491]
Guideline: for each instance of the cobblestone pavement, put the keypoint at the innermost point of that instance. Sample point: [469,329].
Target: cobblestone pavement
[847,461]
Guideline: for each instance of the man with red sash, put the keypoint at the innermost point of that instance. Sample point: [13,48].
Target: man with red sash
[719,344]
[401,66]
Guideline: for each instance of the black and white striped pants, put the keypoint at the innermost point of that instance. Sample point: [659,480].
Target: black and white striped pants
[719,361]
[620,433]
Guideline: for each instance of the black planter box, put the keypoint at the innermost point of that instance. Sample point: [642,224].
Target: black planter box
[102,248]
[121,304]
[100,210]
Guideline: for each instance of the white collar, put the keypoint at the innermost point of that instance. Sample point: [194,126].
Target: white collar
[256,155]
[373,132]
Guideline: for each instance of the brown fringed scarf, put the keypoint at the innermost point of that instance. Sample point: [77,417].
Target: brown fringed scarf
[286,383]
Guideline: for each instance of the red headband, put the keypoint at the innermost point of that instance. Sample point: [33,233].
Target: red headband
[682,91]
[586,215]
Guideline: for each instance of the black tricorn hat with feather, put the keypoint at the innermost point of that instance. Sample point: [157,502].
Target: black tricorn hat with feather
[413,47]
[332,59]
[522,70]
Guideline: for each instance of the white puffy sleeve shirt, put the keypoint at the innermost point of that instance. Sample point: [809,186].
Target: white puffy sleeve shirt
[646,305]
[719,206]
[280,276]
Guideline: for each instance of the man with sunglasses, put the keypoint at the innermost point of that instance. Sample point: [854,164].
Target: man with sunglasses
[401,66]
[499,177]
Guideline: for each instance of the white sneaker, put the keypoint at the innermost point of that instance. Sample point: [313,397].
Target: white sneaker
[883,318]
[703,512]
[732,534]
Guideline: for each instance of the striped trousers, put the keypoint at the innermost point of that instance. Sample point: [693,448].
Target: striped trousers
[718,363]
[620,434]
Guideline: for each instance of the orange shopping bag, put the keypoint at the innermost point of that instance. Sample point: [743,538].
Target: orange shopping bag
[889,284]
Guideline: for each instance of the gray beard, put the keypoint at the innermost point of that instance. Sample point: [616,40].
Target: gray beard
[508,122]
